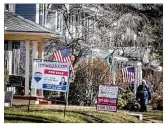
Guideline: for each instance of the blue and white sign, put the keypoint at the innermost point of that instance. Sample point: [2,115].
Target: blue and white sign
[51,76]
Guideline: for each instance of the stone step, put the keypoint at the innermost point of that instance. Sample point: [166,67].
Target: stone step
[139,116]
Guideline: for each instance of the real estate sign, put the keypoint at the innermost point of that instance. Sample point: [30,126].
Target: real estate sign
[53,76]
[107,98]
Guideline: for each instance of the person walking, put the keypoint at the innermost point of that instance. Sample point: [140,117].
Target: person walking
[143,94]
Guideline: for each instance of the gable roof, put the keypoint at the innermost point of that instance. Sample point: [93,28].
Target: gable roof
[17,23]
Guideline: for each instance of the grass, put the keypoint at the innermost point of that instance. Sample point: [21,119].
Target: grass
[74,114]
[154,116]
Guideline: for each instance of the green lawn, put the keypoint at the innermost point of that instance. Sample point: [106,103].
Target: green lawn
[74,114]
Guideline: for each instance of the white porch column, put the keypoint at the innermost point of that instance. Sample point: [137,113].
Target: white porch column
[41,56]
[139,73]
[41,50]
[10,53]
[34,56]
[27,63]
[136,78]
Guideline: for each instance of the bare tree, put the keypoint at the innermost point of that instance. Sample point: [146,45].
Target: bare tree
[104,26]
[129,28]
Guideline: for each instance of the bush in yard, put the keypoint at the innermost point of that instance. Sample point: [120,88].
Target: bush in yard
[158,103]
[121,102]
[88,77]
[5,77]
[124,98]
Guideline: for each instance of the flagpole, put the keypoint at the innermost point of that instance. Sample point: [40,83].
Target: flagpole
[67,93]
[113,70]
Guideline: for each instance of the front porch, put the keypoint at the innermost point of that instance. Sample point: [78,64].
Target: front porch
[19,29]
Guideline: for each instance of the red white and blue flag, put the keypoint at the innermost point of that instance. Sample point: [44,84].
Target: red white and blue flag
[63,56]
[128,74]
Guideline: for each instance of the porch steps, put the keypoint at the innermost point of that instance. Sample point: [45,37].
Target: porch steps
[44,102]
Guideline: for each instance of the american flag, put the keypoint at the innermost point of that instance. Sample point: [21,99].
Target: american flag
[63,56]
[128,74]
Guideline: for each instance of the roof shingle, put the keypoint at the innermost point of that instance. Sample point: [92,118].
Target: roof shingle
[16,23]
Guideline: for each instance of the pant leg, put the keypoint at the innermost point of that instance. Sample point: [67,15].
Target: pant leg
[141,106]
[145,105]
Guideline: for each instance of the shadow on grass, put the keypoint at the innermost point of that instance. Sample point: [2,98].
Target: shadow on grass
[29,118]
[86,116]
[89,117]
[159,118]
[154,116]
[18,106]
[84,113]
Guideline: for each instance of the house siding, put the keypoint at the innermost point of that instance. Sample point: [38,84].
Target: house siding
[27,11]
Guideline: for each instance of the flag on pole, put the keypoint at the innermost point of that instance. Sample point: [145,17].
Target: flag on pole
[128,74]
[63,56]
[108,61]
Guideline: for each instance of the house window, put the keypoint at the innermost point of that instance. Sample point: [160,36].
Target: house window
[6,7]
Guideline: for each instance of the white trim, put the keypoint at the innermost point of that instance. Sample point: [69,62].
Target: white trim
[11,8]
[37,14]
[32,33]
[14,8]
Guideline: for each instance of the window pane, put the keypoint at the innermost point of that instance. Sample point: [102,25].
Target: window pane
[6,7]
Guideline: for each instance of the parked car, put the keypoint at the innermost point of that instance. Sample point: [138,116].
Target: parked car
[15,81]
[18,82]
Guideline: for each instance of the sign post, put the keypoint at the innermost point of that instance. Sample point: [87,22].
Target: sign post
[107,98]
[29,101]
[65,104]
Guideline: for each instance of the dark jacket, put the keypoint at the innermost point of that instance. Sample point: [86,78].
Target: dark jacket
[143,92]
[65,83]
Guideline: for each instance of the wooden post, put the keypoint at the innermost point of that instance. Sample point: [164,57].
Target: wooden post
[27,72]
[65,104]
[29,102]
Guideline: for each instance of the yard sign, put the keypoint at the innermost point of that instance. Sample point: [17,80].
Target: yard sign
[53,76]
[107,98]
